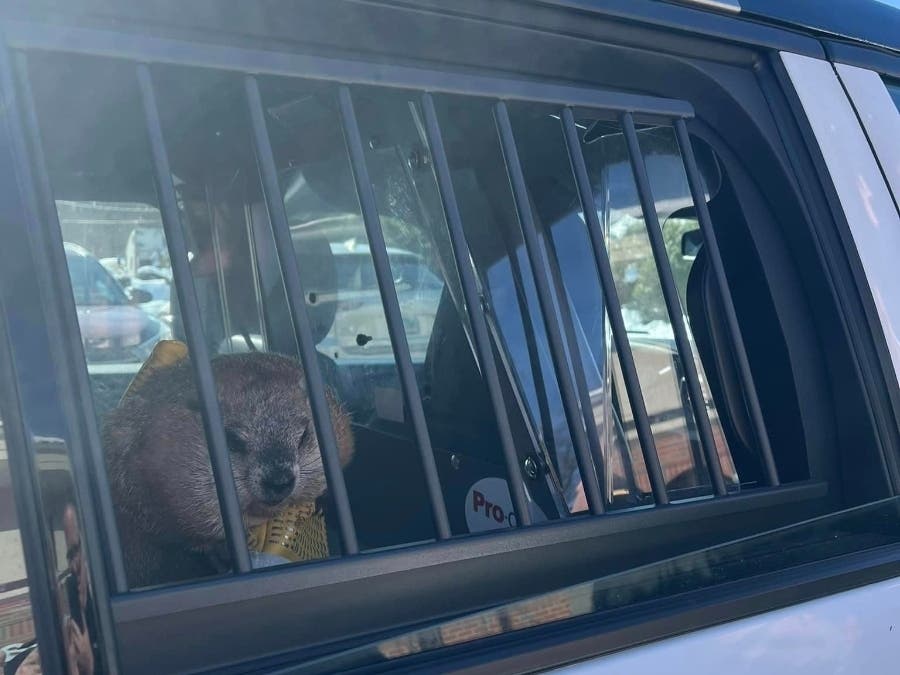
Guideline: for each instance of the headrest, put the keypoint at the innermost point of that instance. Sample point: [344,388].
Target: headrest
[318,274]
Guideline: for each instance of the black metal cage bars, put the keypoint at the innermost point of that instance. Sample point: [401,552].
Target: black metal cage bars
[423,85]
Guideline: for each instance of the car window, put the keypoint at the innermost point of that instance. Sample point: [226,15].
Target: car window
[428,315]
[572,411]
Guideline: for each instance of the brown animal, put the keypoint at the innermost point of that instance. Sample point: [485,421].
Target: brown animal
[159,468]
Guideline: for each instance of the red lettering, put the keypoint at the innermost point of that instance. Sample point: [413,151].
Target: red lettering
[487,509]
[477,500]
[498,513]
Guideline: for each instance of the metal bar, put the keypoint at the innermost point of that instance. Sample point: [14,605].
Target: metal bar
[73,345]
[216,240]
[571,341]
[309,356]
[614,311]
[392,314]
[715,258]
[229,505]
[589,475]
[477,320]
[624,445]
[99,42]
[40,563]
[673,304]
[696,446]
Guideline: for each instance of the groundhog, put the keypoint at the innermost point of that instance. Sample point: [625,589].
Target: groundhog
[159,469]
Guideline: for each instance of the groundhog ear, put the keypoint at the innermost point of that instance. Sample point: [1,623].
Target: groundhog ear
[166,353]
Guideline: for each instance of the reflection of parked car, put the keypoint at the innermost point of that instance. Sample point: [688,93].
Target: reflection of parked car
[112,328]
[360,330]
[157,282]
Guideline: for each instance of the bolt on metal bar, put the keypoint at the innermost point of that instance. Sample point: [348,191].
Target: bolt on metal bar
[581,388]
[309,356]
[235,535]
[589,475]
[394,318]
[715,258]
[673,304]
[614,310]
[73,345]
[477,320]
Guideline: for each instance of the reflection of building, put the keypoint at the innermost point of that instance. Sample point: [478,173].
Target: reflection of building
[104,228]
[16,622]
[537,611]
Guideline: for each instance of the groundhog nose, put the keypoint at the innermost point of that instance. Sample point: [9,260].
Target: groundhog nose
[277,485]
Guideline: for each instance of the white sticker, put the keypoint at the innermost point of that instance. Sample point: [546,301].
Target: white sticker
[489,507]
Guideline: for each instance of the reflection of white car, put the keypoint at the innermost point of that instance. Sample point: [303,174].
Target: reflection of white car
[113,329]
[151,279]
[360,329]
[116,267]
[157,281]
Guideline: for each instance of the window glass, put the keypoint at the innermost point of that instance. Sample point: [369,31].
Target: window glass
[117,258]
[492,230]
[681,233]
[125,296]
[409,207]
[323,210]
[643,307]
[330,240]
[556,208]
[114,244]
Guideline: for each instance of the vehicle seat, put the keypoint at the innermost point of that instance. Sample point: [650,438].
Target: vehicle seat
[318,275]
[706,312]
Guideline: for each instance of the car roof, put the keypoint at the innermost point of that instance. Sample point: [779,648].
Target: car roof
[873,22]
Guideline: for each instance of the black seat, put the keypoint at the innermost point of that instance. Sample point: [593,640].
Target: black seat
[709,326]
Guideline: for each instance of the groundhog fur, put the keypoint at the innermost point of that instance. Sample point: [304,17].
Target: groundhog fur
[160,474]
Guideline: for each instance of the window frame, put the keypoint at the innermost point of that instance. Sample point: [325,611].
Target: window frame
[142,618]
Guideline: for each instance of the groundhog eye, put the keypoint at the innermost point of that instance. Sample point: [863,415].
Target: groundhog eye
[235,442]
[304,435]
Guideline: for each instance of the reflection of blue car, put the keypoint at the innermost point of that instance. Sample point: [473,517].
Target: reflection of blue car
[112,328]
